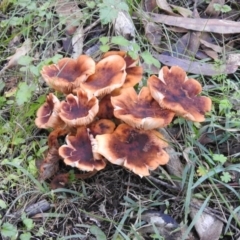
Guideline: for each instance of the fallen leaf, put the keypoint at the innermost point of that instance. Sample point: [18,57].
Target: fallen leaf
[197,67]
[153,33]
[202,25]
[214,47]
[22,51]
[207,226]
[162,4]
[123,25]
[149,5]
[77,42]
[182,11]
[211,11]
[70,12]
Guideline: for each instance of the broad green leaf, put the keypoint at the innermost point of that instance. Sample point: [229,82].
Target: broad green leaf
[24,93]
[3,205]
[96,231]
[25,60]
[25,236]
[104,40]
[149,59]
[226,177]
[8,230]
[104,48]
[120,40]
[219,158]
[2,85]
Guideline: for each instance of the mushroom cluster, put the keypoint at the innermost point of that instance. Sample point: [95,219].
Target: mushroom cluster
[105,119]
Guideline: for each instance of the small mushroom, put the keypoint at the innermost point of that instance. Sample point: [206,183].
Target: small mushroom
[48,113]
[78,110]
[105,107]
[140,111]
[110,74]
[101,126]
[173,90]
[137,150]
[78,151]
[68,73]
[130,62]
[134,72]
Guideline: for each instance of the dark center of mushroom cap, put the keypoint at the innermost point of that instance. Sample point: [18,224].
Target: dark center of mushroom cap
[134,145]
[74,110]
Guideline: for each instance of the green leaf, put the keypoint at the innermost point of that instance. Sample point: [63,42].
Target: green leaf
[226,8]
[107,15]
[219,158]
[104,40]
[3,205]
[91,4]
[201,171]
[226,177]
[104,48]
[2,85]
[25,60]
[96,231]
[149,59]
[29,224]
[25,236]
[24,93]
[8,230]
[120,40]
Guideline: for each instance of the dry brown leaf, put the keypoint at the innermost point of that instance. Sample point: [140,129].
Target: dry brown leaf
[22,51]
[149,5]
[182,11]
[214,47]
[210,10]
[123,25]
[199,24]
[197,67]
[153,33]
[77,42]
[212,54]
[234,59]
[207,226]
[70,11]
[162,4]
[186,46]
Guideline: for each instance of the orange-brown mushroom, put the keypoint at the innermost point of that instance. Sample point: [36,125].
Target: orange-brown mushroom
[140,111]
[78,110]
[137,150]
[130,62]
[134,72]
[174,91]
[48,113]
[105,107]
[101,126]
[110,74]
[78,151]
[68,73]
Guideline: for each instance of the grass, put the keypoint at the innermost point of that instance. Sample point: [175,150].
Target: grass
[110,204]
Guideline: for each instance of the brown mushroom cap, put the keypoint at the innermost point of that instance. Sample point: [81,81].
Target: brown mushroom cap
[134,76]
[68,73]
[101,126]
[110,74]
[134,72]
[140,111]
[78,110]
[78,152]
[137,150]
[48,113]
[174,91]
[130,62]
[105,107]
